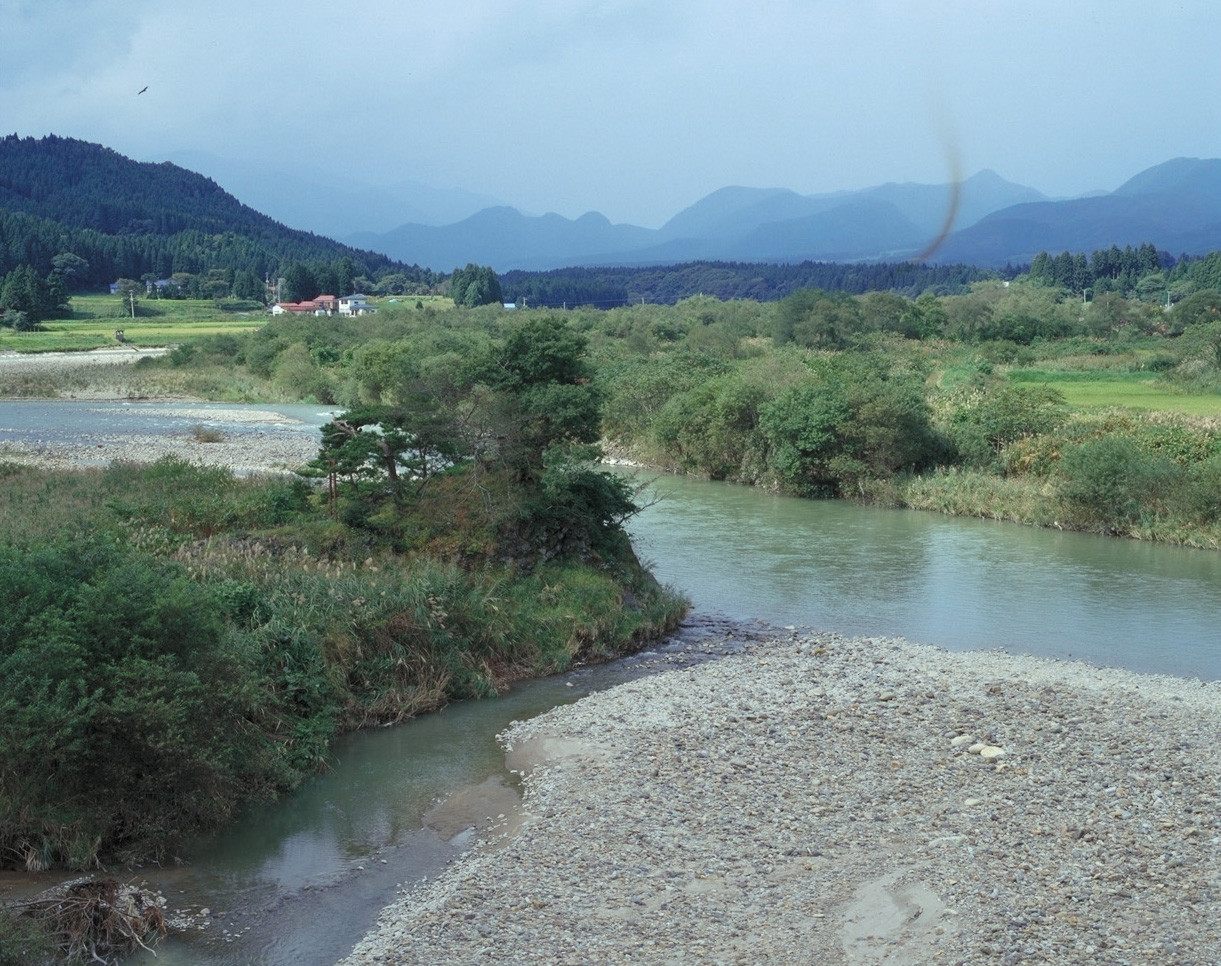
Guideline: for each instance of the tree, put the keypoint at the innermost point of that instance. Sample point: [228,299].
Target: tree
[300,283]
[129,292]
[22,290]
[475,285]
[1197,309]
[248,287]
[851,421]
[1002,415]
[69,266]
[818,319]
[387,451]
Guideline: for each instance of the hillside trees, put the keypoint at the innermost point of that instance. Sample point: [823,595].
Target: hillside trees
[24,290]
[475,285]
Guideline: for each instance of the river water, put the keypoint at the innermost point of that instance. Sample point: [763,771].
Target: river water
[301,880]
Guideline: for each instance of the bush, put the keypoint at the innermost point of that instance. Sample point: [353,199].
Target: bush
[123,705]
[713,428]
[852,421]
[1111,483]
[989,422]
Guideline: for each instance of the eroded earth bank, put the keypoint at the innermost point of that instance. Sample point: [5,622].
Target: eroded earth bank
[829,800]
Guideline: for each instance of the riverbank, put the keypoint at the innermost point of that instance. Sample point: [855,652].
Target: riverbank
[823,799]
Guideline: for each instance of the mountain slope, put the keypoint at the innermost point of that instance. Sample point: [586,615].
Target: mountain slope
[127,217]
[330,204]
[1175,205]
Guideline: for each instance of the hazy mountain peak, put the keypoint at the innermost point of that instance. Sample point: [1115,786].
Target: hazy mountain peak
[1177,174]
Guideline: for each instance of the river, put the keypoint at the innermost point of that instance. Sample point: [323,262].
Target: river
[301,880]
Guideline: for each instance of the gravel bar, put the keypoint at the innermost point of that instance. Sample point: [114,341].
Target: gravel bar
[818,799]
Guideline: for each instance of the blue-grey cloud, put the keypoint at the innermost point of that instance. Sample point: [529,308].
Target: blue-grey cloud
[631,107]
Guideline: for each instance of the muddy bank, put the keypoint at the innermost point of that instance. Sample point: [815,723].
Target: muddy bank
[822,799]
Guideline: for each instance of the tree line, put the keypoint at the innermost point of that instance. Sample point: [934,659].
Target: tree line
[664,285]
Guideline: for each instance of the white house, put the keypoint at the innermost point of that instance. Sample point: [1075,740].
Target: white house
[326,305]
[355,304]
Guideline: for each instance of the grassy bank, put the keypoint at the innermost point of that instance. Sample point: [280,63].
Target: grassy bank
[209,637]
[177,642]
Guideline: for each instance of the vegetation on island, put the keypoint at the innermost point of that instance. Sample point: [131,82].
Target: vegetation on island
[178,642]
[1006,401]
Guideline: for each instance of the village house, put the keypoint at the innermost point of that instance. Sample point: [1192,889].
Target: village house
[356,304]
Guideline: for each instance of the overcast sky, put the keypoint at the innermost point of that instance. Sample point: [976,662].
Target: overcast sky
[632,108]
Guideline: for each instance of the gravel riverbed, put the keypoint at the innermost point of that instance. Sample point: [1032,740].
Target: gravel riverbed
[819,799]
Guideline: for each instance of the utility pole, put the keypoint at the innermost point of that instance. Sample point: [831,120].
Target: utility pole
[131,297]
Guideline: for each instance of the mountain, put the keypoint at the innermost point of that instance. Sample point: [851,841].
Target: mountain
[331,204]
[732,223]
[505,238]
[735,211]
[128,217]
[1175,205]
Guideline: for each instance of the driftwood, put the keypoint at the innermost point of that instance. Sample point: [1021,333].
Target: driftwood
[97,920]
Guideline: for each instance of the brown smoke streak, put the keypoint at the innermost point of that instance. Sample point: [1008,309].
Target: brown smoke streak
[951,212]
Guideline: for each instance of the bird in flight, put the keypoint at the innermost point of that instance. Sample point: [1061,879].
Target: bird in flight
[141,91]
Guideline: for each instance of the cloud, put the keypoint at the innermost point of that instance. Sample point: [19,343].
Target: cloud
[630,106]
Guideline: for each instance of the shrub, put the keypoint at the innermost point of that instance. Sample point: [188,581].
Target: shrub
[712,428]
[989,422]
[852,421]
[1112,483]
[123,705]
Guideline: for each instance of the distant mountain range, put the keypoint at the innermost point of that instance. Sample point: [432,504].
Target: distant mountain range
[128,218]
[1176,205]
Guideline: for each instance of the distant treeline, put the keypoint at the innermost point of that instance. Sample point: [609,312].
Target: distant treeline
[665,285]
[128,219]
[1141,271]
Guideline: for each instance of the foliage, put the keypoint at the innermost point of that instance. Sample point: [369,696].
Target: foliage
[125,704]
[1112,482]
[213,636]
[475,285]
[124,218]
[851,421]
[23,292]
[991,420]
[607,287]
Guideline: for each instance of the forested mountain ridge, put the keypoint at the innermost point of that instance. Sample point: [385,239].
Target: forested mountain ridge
[128,218]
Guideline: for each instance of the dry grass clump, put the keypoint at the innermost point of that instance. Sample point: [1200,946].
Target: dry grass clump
[207,434]
[97,920]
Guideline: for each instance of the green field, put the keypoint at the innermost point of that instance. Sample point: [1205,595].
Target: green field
[1137,390]
[94,319]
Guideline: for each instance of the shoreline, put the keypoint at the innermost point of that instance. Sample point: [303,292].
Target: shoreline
[815,798]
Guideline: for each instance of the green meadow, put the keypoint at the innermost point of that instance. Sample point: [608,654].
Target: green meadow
[1136,390]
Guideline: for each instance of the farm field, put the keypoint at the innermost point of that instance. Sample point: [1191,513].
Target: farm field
[158,322]
[1137,390]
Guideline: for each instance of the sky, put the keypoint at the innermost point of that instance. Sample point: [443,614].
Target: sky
[631,108]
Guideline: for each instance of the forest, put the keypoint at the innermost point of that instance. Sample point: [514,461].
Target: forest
[126,219]
[664,285]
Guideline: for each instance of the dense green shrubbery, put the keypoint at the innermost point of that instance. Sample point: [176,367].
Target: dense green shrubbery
[985,423]
[125,704]
[211,637]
